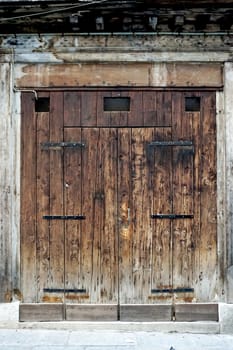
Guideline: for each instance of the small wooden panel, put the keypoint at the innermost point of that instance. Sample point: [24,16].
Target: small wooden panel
[150,313]
[72,108]
[88,108]
[88,312]
[196,312]
[135,116]
[41,312]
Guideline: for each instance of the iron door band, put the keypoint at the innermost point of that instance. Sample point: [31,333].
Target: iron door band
[64,217]
[171,216]
[60,145]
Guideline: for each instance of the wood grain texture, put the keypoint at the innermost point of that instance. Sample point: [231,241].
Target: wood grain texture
[125,225]
[140,209]
[56,238]
[146,313]
[208,219]
[88,108]
[183,190]
[41,312]
[161,183]
[128,74]
[91,313]
[8,183]
[196,312]
[28,199]
[42,203]
[109,240]
[72,108]
[73,206]
[118,254]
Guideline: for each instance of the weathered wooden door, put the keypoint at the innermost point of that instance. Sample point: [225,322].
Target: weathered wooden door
[118,211]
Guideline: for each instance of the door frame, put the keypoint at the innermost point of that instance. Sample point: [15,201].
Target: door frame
[88,89]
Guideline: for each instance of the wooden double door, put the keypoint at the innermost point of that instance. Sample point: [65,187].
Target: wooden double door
[118,209]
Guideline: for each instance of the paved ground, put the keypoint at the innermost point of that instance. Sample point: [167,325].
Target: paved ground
[37,339]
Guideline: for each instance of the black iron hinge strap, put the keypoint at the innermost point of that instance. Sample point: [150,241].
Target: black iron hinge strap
[171,143]
[55,145]
[60,290]
[64,217]
[171,290]
[171,216]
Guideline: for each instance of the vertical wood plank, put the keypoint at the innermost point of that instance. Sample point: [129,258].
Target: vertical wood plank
[72,108]
[164,108]
[126,291]
[103,117]
[28,199]
[208,244]
[42,202]
[149,108]
[56,193]
[73,206]
[196,237]
[135,116]
[161,183]
[109,228]
[89,108]
[140,211]
[90,252]
[183,246]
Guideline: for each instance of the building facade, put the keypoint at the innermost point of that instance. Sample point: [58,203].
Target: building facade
[116,153]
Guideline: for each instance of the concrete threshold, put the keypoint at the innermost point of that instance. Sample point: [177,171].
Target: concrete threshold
[165,327]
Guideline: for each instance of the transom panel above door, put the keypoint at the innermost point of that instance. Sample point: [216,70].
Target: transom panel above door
[118,208]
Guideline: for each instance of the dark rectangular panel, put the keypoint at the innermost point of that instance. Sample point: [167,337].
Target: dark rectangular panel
[192,104]
[115,104]
[196,312]
[138,313]
[84,312]
[41,312]
[42,104]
